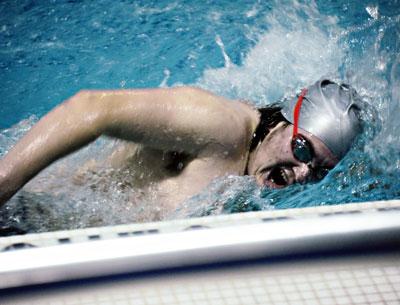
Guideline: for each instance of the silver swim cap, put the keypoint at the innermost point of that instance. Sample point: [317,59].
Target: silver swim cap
[330,112]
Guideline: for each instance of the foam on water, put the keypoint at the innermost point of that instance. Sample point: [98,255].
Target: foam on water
[299,47]
[295,45]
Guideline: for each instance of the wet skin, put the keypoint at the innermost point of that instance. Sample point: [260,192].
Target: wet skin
[274,165]
[188,137]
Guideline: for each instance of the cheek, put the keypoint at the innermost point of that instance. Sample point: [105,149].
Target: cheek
[284,150]
[279,151]
[283,144]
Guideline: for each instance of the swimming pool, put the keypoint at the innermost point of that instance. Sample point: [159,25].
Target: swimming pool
[254,50]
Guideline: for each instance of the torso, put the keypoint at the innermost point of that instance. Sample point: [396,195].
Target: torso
[165,179]
[169,178]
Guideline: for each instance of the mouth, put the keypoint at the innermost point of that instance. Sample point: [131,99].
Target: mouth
[277,178]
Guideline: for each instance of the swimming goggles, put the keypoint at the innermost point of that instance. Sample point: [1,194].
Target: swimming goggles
[301,148]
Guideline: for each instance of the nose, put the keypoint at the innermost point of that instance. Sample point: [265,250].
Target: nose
[302,172]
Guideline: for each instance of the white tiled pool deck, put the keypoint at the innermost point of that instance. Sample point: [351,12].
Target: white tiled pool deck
[271,270]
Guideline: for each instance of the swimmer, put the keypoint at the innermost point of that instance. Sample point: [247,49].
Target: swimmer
[180,139]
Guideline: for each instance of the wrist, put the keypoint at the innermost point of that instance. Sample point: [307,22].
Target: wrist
[7,187]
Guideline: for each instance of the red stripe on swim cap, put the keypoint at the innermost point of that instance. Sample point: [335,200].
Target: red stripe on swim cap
[296,112]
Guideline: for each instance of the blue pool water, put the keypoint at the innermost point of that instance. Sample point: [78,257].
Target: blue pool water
[254,50]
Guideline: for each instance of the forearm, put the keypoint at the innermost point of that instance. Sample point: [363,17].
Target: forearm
[65,129]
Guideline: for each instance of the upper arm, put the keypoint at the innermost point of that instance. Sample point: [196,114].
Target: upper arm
[184,119]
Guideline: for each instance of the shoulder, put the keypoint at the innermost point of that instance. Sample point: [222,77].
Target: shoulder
[231,122]
[241,110]
[193,94]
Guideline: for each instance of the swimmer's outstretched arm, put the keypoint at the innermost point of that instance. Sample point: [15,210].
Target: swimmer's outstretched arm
[183,119]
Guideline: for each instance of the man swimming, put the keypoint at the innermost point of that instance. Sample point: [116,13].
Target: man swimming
[180,139]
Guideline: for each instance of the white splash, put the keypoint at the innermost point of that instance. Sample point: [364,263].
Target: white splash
[228,62]
[293,52]
[372,11]
[163,83]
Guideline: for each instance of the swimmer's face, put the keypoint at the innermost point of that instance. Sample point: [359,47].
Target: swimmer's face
[274,165]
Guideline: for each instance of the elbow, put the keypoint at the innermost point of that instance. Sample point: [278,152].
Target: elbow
[87,105]
[81,98]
